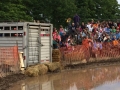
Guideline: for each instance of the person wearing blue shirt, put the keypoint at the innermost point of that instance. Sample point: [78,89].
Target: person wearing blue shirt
[117,35]
[107,30]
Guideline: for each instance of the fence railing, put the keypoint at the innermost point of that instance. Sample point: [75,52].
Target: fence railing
[9,61]
[80,54]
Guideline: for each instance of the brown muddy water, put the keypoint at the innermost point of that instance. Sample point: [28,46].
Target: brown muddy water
[97,78]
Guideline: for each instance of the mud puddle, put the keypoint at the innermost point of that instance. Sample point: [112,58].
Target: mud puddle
[7,82]
[99,77]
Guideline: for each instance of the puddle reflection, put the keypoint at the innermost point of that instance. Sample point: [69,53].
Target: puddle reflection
[104,78]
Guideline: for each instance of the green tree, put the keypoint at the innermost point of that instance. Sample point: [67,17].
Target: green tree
[13,10]
[98,9]
[107,9]
[56,11]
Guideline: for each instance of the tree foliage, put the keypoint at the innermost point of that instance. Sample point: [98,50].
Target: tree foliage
[98,9]
[13,10]
[57,11]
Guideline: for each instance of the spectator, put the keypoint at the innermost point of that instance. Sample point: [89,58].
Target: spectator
[54,33]
[84,33]
[55,44]
[76,19]
[90,27]
[63,37]
[86,41]
[115,41]
[107,29]
[78,29]
[61,30]
[100,31]
[113,30]
[97,46]
[72,30]
[117,34]
[107,38]
[57,37]
[110,24]
[83,25]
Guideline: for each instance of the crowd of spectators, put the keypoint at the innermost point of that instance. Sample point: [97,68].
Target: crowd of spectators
[95,32]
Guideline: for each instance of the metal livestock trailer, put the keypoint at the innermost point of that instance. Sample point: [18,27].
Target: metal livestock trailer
[33,39]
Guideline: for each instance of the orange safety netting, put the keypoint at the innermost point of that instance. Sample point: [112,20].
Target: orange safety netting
[75,54]
[9,55]
[80,52]
[109,50]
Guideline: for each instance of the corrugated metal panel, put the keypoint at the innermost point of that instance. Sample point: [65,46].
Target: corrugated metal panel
[12,24]
[46,41]
[33,45]
[11,38]
[11,31]
[33,24]
[45,24]
[33,34]
[45,38]
[38,43]
[45,28]
[20,49]
[45,47]
[33,57]
[33,30]
[45,31]
[33,27]
[43,55]
[36,54]
[10,41]
[10,44]
[44,50]
[33,39]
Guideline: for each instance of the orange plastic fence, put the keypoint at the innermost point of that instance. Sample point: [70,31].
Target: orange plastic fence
[9,61]
[9,55]
[75,54]
[80,52]
[109,50]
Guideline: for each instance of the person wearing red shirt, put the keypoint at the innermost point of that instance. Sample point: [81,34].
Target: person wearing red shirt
[54,33]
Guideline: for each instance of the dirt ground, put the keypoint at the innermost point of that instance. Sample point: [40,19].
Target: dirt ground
[93,65]
[8,81]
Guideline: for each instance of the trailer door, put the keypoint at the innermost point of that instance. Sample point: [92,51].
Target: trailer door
[46,43]
[32,44]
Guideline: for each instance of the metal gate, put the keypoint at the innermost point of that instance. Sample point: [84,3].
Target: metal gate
[37,43]
[45,43]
